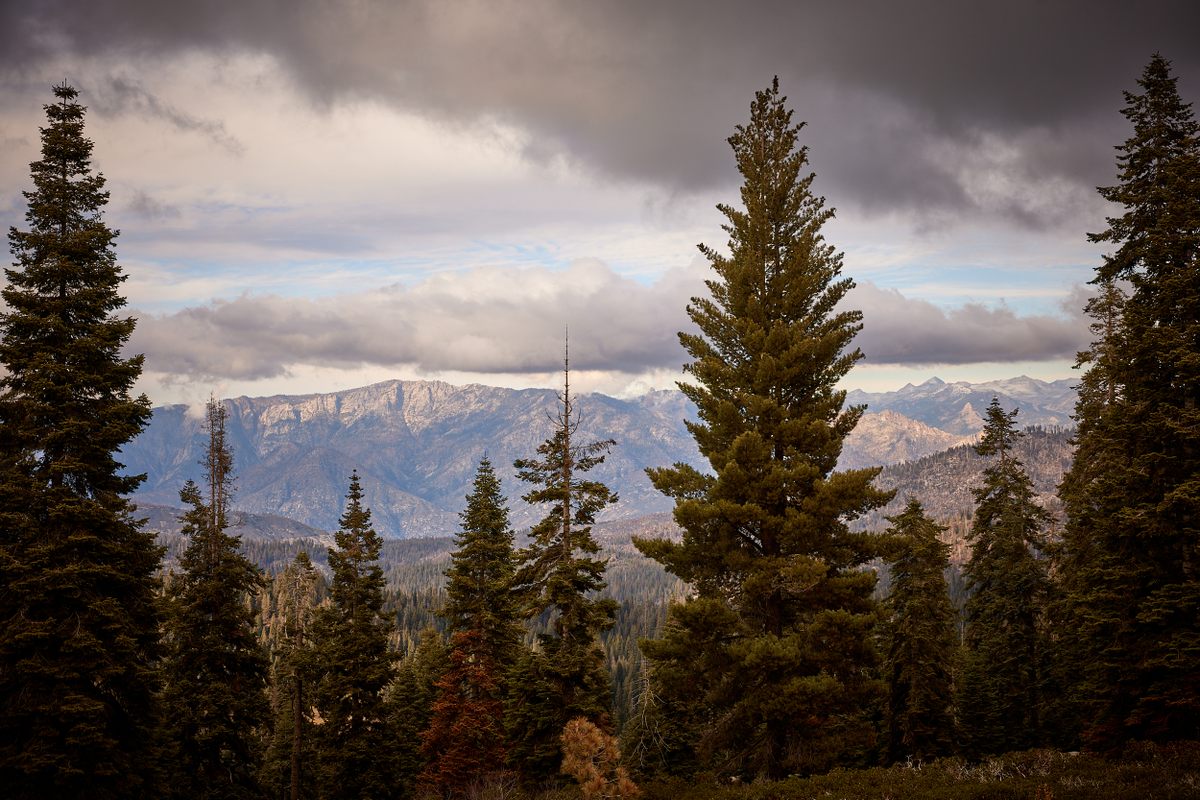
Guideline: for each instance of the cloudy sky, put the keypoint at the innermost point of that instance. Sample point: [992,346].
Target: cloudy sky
[318,194]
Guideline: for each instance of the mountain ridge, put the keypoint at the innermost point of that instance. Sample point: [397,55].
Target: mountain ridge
[415,444]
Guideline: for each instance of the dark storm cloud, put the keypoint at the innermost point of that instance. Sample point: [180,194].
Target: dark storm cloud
[902,97]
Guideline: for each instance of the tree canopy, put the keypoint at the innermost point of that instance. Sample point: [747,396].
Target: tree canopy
[778,634]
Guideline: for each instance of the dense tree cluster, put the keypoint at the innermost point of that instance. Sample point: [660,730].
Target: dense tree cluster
[1131,562]
[518,669]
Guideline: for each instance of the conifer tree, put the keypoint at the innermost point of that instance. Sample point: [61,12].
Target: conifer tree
[1001,695]
[1132,516]
[78,615]
[776,644]
[1089,592]
[409,703]
[561,574]
[216,667]
[357,751]
[919,640]
[465,743]
[292,746]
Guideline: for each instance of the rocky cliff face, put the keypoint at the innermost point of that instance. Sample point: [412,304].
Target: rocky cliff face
[415,445]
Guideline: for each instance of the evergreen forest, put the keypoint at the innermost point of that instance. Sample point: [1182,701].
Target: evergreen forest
[800,630]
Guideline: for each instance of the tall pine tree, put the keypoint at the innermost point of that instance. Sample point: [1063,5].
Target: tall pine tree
[1001,695]
[466,741]
[561,574]
[776,644]
[1133,519]
[216,669]
[78,614]
[920,640]
[357,750]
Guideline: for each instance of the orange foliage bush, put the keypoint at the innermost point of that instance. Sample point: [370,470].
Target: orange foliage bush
[592,758]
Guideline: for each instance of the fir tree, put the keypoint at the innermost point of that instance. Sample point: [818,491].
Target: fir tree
[1001,688]
[919,640]
[409,703]
[1133,519]
[465,742]
[216,668]
[777,640]
[356,749]
[78,616]
[1089,591]
[561,574]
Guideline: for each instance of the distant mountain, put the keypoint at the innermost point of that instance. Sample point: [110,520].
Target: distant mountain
[165,521]
[943,482]
[889,437]
[958,407]
[416,443]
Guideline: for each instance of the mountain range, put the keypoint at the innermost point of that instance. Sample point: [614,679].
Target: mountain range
[415,445]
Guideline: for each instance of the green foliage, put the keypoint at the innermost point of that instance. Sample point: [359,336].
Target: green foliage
[1001,688]
[295,592]
[215,668]
[1169,773]
[782,673]
[465,742]
[409,704]
[1129,561]
[561,574]
[919,640]
[78,615]
[357,749]
[480,580]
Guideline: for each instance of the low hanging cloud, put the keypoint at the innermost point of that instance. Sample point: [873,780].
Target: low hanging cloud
[487,321]
[914,332]
[512,321]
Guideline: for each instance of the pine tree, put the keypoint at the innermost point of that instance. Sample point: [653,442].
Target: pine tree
[216,668]
[408,701]
[919,640]
[78,615]
[561,574]
[465,743]
[1089,593]
[1132,515]
[292,746]
[777,640]
[356,748]
[1002,684]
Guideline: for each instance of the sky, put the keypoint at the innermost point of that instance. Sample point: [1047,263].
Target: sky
[319,194]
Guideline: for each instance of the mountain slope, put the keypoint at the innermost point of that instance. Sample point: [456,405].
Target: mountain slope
[416,443]
[958,407]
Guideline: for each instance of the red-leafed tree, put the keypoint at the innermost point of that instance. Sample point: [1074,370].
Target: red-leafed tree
[466,743]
